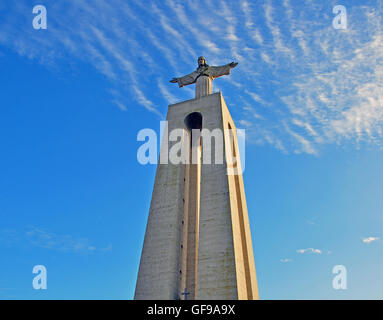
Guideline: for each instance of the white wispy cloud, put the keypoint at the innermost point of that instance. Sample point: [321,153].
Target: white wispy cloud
[121,105]
[274,29]
[309,250]
[252,112]
[166,93]
[320,85]
[45,239]
[143,100]
[370,239]
[206,42]
[251,27]
[286,260]
[256,97]
[304,144]
[245,123]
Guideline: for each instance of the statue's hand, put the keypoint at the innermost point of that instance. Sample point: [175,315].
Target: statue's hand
[233,64]
[174,80]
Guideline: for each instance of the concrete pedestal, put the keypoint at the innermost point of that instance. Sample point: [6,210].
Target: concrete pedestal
[198,234]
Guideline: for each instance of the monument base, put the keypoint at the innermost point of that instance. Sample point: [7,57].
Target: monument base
[198,242]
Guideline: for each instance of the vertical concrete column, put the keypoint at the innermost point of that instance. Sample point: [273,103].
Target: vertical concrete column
[198,234]
[203,87]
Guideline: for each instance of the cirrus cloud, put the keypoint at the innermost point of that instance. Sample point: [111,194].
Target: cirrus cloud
[309,250]
[370,239]
[300,84]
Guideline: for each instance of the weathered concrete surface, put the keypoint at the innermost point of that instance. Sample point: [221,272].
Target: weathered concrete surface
[220,254]
[203,87]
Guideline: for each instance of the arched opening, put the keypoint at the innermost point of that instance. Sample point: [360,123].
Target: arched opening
[193,121]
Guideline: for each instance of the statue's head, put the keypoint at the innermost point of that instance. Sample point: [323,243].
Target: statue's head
[201,61]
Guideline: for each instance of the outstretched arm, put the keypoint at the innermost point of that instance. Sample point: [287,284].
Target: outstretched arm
[220,71]
[185,80]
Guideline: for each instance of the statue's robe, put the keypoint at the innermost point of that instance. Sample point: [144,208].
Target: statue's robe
[211,71]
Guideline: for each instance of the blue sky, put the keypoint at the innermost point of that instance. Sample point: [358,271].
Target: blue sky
[73,97]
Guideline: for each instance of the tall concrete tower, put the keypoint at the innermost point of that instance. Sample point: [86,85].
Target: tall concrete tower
[198,243]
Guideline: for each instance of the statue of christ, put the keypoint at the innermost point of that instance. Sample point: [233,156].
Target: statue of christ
[203,76]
